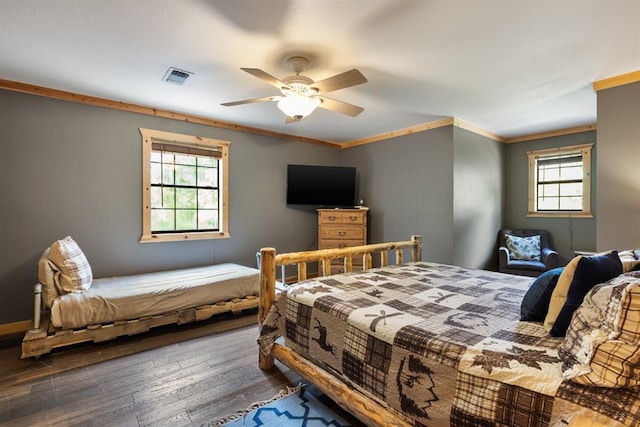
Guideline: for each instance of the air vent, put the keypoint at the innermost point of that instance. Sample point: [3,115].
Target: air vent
[176,76]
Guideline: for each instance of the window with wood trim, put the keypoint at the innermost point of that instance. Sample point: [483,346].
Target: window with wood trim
[184,191]
[560,181]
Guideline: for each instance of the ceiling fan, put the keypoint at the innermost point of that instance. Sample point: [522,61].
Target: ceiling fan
[301,95]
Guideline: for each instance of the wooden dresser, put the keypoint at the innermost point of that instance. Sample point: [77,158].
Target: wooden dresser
[341,228]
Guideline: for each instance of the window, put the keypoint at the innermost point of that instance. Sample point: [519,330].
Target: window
[184,195]
[560,181]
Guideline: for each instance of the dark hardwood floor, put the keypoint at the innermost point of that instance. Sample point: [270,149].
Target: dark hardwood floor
[176,375]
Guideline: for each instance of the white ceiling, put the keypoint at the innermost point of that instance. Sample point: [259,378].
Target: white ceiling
[511,67]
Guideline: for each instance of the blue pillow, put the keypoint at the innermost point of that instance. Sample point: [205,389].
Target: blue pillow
[536,301]
[590,271]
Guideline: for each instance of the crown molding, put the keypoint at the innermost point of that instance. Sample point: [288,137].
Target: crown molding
[550,134]
[134,108]
[619,80]
[462,124]
[447,121]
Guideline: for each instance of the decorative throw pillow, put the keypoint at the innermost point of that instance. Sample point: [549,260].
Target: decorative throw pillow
[536,301]
[590,271]
[73,270]
[602,346]
[523,248]
[559,294]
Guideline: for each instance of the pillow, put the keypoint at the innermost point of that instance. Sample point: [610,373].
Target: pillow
[590,271]
[559,294]
[46,277]
[629,260]
[74,272]
[536,301]
[602,346]
[523,248]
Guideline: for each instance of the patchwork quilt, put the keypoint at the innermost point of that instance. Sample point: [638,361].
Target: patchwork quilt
[442,345]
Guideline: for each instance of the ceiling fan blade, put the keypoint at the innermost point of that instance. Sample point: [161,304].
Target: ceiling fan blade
[266,77]
[249,101]
[340,81]
[339,106]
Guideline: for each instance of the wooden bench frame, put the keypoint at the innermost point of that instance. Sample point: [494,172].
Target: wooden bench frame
[372,412]
[44,337]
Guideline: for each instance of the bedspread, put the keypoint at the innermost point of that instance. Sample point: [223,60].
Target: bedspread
[442,345]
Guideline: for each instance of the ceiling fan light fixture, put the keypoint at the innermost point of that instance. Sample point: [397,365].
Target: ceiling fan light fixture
[301,95]
[296,106]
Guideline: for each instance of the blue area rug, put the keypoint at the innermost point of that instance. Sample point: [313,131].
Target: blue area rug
[292,407]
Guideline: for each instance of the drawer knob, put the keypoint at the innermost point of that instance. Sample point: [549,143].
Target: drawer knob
[353,218]
[332,218]
[342,245]
[342,233]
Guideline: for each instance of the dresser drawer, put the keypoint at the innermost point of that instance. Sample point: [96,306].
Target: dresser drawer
[337,217]
[341,233]
[337,244]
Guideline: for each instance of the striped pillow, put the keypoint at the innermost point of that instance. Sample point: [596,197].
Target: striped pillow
[602,345]
[629,259]
[73,270]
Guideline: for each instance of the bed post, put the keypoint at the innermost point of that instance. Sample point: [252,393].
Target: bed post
[416,251]
[37,307]
[267,295]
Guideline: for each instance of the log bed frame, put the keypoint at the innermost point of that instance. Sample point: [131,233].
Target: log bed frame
[361,406]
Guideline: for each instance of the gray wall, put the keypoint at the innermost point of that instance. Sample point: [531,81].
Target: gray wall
[478,193]
[618,171]
[408,184]
[568,234]
[73,169]
[445,184]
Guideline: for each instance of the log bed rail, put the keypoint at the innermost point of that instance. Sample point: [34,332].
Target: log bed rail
[361,406]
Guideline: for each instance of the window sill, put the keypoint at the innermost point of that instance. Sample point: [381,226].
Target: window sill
[559,215]
[181,237]
[584,253]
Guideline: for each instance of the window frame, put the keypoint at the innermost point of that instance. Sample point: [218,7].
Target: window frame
[533,156]
[149,136]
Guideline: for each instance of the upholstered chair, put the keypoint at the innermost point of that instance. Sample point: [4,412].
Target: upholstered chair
[513,261]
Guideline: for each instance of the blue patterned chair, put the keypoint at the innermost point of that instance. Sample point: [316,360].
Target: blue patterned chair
[548,257]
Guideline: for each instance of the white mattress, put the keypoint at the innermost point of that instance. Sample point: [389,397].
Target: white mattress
[129,297]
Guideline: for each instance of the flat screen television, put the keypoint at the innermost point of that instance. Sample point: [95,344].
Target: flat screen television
[330,186]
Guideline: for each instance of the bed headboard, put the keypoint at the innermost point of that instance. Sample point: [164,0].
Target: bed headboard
[269,261]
